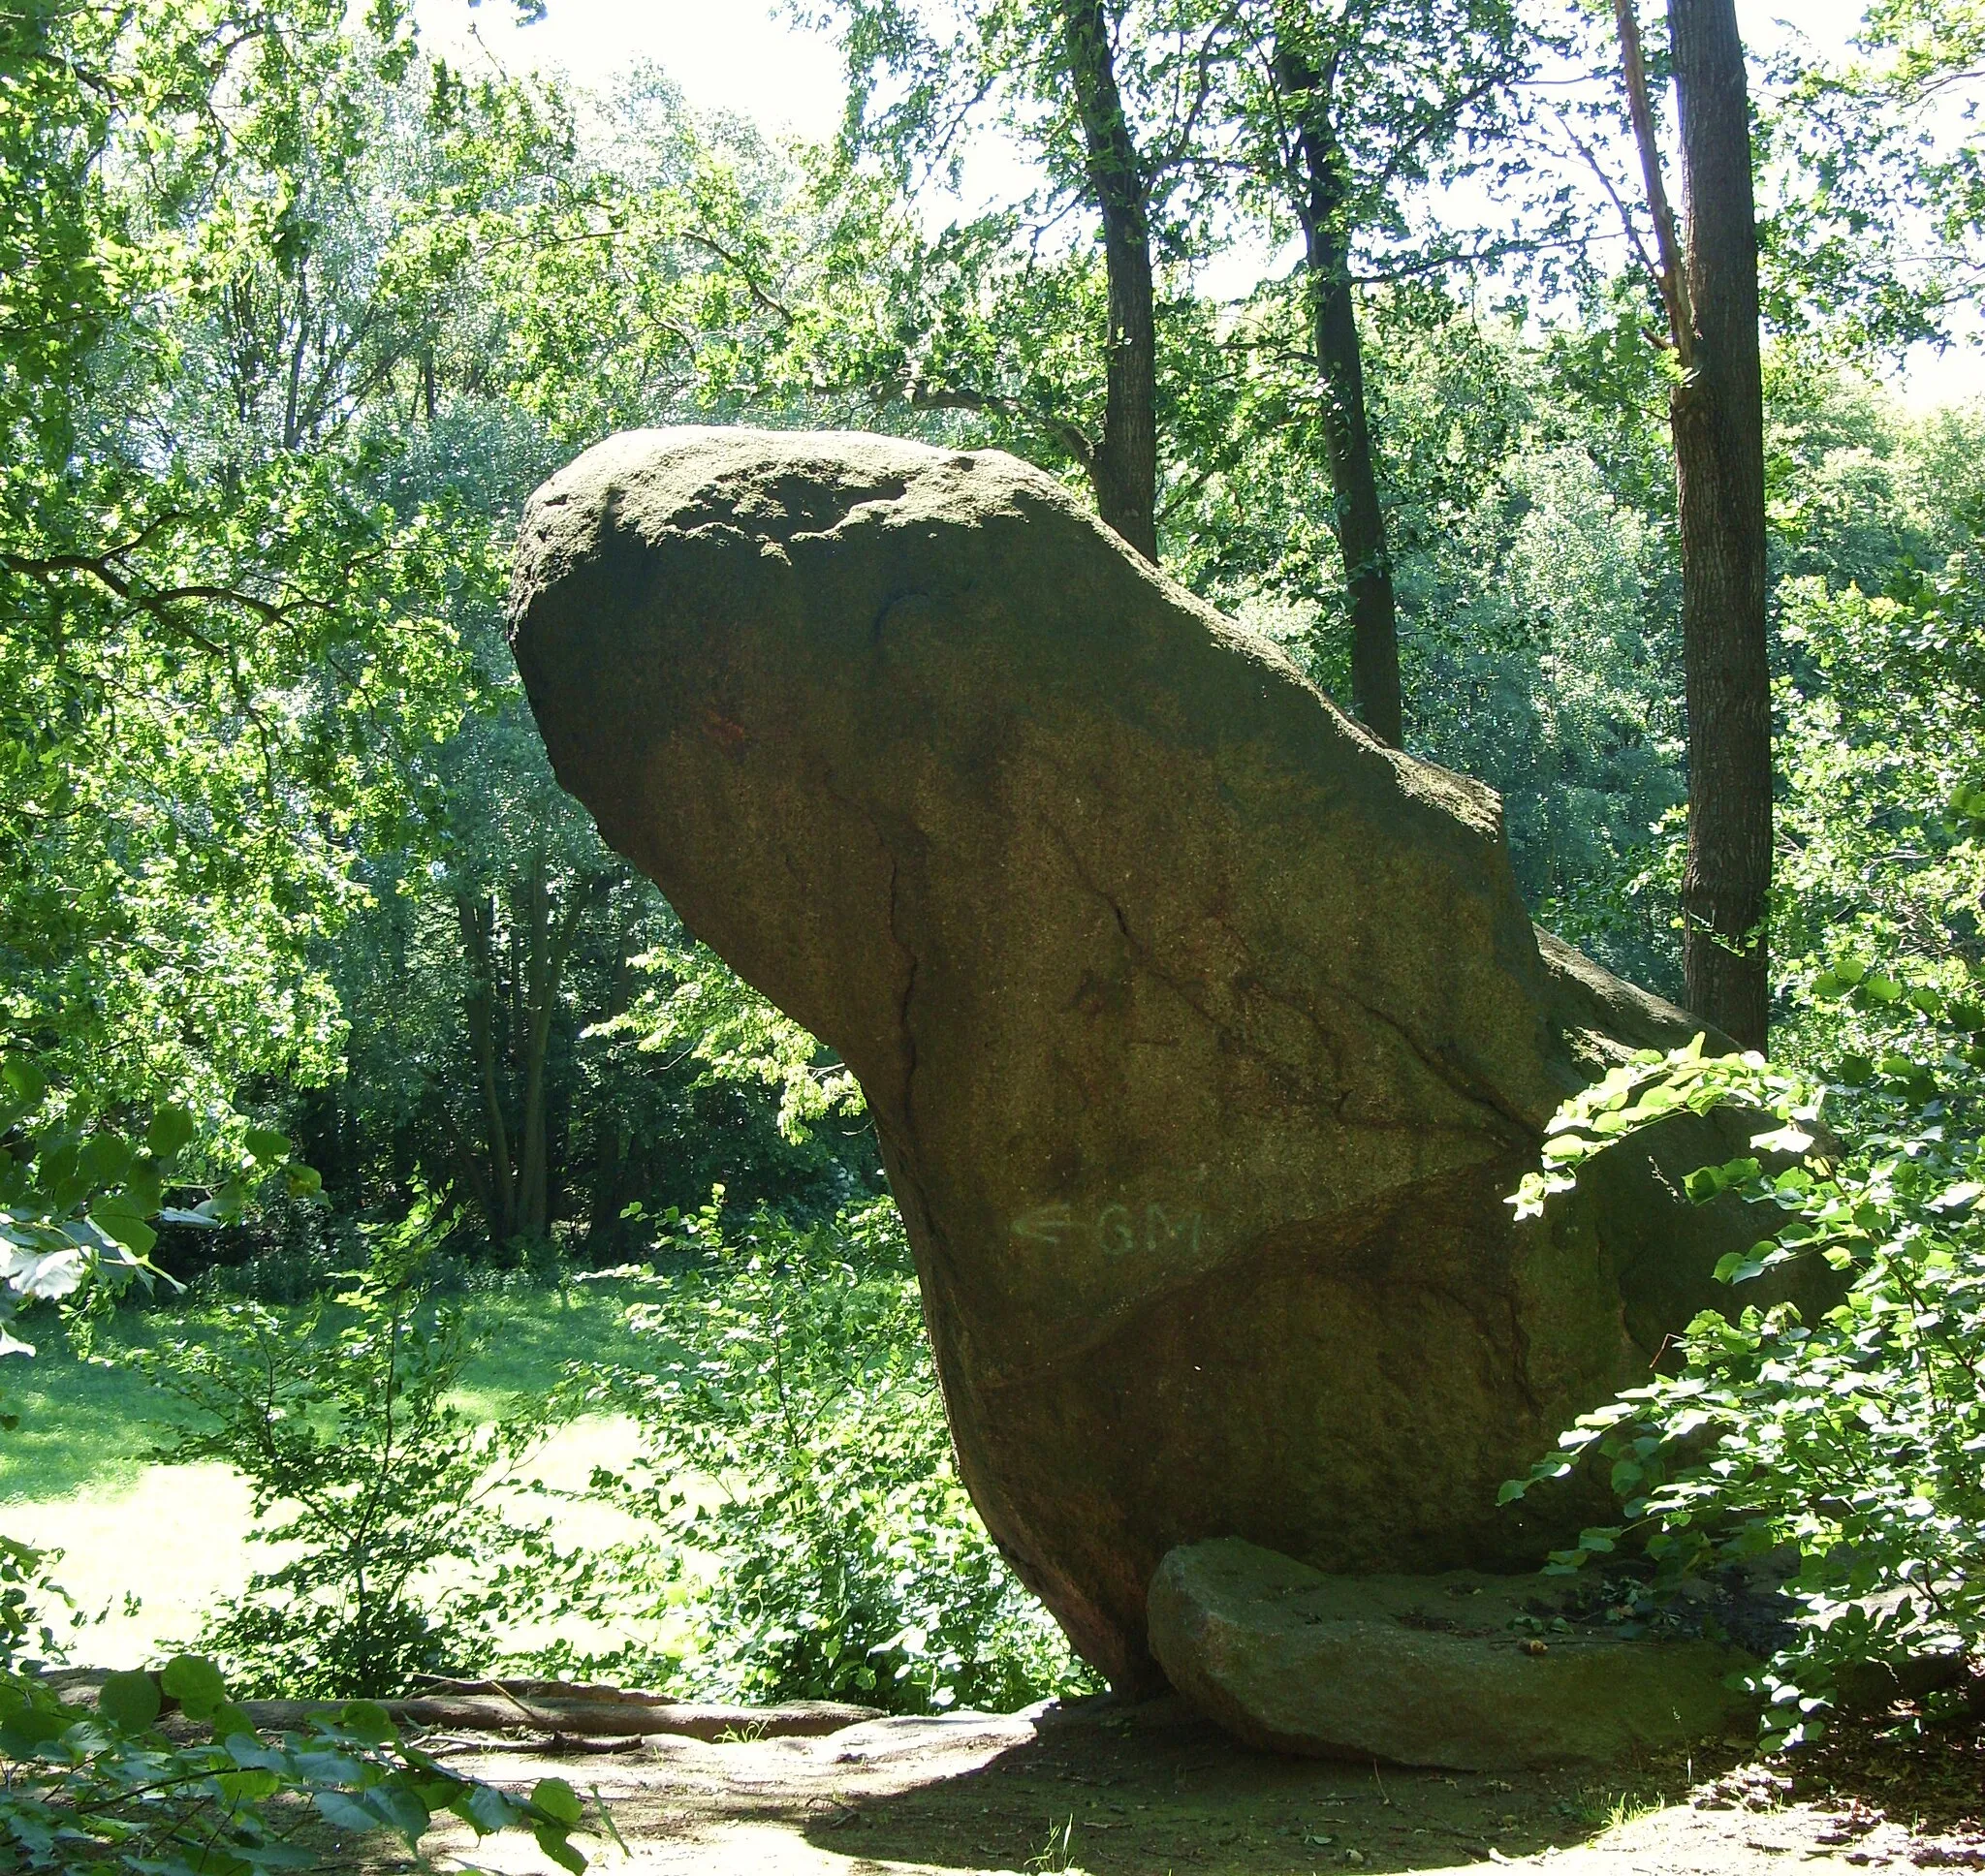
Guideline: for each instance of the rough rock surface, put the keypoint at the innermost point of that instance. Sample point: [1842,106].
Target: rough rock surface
[1457,1671]
[1204,1036]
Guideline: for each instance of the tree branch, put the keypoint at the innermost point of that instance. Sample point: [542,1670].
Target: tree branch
[1667,238]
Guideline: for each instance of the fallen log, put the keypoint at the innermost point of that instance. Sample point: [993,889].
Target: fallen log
[566,1711]
[563,1710]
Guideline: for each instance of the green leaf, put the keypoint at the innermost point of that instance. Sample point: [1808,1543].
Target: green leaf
[485,1809]
[400,1806]
[266,1146]
[248,1787]
[196,1683]
[232,1722]
[553,1842]
[105,1158]
[25,1082]
[343,1812]
[129,1701]
[22,1734]
[557,1801]
[1703,1184]
[116,1217]
[170,1132]
[369,1721]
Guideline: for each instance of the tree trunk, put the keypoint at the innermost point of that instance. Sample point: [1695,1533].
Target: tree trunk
[611,1137]
[1347,433]
[1123,467]
[476,917]
[548,943]
[1717,414]
[540,992]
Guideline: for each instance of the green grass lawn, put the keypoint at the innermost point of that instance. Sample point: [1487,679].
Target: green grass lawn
[96,1424]
[146,1546]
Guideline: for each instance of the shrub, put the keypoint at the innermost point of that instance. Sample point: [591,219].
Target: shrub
[798,1443]
[339,1418]
[1856,1442]
[87,1790]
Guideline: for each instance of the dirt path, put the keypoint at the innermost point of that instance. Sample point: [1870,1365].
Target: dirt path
[1155,1790]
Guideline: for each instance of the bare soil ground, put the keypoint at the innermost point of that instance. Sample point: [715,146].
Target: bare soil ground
[1149,1790]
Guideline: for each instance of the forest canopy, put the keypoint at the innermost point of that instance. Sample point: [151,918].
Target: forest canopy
[295,313]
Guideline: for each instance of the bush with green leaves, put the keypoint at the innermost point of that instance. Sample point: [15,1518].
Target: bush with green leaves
[798,1457]
[105,1788]
[1855,1444]
[339,1418]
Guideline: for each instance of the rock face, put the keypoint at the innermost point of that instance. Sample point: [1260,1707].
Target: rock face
[1457,1671]
[1204,1036]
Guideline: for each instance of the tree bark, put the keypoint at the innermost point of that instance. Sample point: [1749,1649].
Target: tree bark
[1123,466]
[535,1040]
[610,1137]
[547,945]
[476,917]
[1347,432]
[1717,415]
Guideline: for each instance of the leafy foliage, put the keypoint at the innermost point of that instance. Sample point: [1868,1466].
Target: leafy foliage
[797,1461]
[342,1424]
[221,642]
[694,1006]
[1851,1443]
[107,1789]
[89,1790]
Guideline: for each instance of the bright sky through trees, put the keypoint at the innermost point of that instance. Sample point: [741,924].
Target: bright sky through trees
[755,60]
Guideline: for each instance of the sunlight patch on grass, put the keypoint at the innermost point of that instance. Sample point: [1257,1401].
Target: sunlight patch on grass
[173,1537]
[149,1546]
[86,1425]
[178,1537]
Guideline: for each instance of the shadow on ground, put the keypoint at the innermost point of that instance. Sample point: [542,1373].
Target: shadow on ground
[1158,1788]
[1149,1790]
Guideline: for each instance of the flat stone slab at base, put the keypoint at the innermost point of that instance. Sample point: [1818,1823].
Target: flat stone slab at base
[1447,1670]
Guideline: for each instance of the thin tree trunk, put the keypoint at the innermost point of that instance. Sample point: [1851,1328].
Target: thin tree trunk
[537,1040]
[610,1139]
[293,397]
[1716,415]
[470,1172]
[1123,467]
[1347,433]
[549,944]
[476,916]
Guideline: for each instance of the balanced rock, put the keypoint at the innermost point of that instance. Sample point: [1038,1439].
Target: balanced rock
[1205,1037]
[1460,1671]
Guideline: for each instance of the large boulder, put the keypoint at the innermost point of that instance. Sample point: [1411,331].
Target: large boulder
[1460,1671]
[1205,1037]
